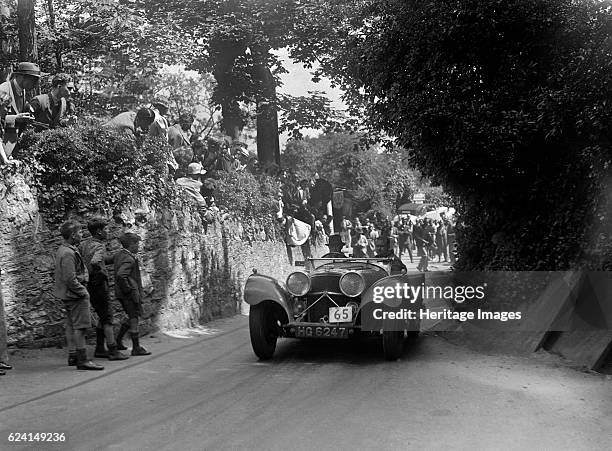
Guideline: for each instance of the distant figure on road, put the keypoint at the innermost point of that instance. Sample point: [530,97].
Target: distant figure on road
[422,243]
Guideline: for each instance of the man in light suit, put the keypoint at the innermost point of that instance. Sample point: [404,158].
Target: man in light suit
[159,128]
[13,94]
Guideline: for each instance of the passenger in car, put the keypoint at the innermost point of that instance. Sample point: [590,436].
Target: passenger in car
[384,250]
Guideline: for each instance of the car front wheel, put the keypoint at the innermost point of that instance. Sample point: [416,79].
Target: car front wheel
[263,330]
[393,344]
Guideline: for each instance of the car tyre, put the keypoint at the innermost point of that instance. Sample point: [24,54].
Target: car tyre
[263,330]
[413,335]
[393,344]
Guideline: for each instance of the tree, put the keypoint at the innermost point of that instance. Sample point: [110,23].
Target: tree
[502,102]
[111,46]
[377,181]
[27,30]
[236,40]
[7,31]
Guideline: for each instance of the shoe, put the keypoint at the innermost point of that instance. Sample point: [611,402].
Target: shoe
[114,354]
[136,348]
[101,353]
[89,365]
[72,359]
[5,366]
[140,351]
[119,340]
[84,364]
[2,373]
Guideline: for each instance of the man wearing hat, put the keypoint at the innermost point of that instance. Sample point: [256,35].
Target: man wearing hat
[160,125]
[159,128]
[128,290]
[335,247]
[13,94]
[192,184]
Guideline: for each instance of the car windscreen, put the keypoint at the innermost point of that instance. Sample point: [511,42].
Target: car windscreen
[350,265]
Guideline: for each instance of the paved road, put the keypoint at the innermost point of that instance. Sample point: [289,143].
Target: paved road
[210,392]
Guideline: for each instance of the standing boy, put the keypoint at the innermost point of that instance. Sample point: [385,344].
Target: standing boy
[70,280]
[95,258]
[128,290]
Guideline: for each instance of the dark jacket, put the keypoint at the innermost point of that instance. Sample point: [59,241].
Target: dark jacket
[70,274]
[95,258]
[128,284]
[49,112]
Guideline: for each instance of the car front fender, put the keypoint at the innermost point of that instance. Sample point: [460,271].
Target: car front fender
[260,288]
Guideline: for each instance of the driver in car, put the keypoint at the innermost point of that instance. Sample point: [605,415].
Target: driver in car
[335,247]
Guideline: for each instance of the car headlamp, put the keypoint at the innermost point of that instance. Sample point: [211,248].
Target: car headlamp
[298,283]
[352,284]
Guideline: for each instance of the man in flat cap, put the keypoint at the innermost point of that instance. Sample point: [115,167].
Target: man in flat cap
[13,94]
[128,290]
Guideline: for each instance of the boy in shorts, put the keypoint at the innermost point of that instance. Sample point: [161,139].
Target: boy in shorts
[128,290]
[70,280]
[95,257]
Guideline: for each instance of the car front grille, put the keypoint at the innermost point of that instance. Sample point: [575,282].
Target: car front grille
[325,282]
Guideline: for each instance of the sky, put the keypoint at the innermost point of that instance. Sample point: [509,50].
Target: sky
[298,82]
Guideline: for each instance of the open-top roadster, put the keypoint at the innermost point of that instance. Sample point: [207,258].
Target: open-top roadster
[337,298]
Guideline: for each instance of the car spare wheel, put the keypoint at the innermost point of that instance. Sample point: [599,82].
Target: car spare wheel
[263,330]
[393,344]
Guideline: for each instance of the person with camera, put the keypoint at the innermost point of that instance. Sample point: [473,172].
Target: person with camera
[16,115]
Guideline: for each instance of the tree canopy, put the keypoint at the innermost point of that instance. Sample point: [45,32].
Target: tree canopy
[505,103]
[379,182]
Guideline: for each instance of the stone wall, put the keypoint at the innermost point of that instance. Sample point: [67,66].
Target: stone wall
[190,275]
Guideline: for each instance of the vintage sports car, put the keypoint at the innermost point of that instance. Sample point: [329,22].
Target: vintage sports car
[333,298]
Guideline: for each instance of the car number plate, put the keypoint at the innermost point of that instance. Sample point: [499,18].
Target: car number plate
[340,314]
[321,331]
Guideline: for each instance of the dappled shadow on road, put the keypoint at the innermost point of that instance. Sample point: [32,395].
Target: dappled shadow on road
[357,351]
